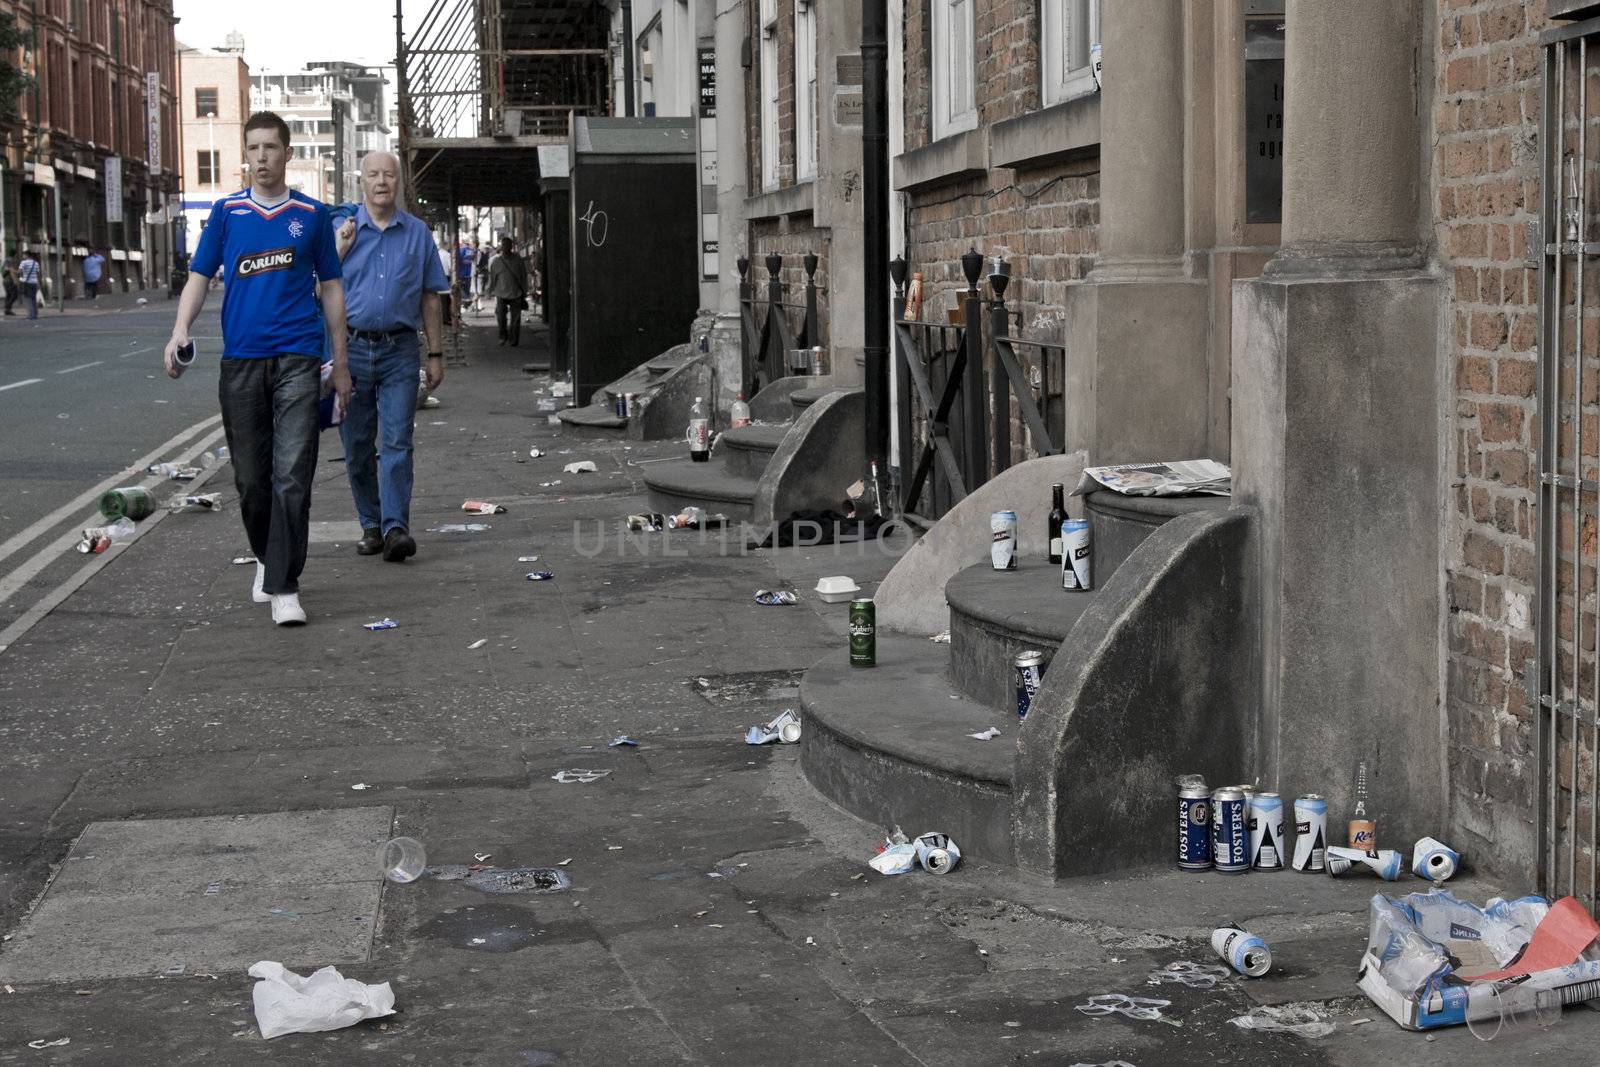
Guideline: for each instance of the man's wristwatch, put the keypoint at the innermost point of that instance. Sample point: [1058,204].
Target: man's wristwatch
[435,355]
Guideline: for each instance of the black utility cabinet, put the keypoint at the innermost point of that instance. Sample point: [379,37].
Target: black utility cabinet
[556,262]
[634,225]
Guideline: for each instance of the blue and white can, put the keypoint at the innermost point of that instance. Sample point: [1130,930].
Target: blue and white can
[1230,831]
[1194,827]
[1434,860]
[1003,540]
[1077,563]
[1266,831]
[1243,951]
[1029,669]
[1310,832]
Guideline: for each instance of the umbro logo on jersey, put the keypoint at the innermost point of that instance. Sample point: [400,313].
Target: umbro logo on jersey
[241,211]
[262,262]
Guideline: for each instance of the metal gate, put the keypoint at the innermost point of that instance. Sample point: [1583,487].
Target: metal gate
[1567,653]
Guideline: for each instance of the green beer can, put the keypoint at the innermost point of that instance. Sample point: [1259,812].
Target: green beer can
[863,633]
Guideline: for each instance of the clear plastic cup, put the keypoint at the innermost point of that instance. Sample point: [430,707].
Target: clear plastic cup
[1521,1010]
[403,859]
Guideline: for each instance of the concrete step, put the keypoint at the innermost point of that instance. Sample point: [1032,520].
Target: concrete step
[890,745]
[683,483]
[801,399]
[748,448]
[996,614]
[596,420]
[1119,524]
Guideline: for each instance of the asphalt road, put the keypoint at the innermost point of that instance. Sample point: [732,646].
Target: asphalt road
[83,395]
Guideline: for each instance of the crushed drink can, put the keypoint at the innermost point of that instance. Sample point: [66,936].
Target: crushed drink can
[381,624]
[1310,832]
[1194,824]
[1385,863]
[863,632]
[183,358]
[1028,667]
[1230,834]
[937,853]
[1266,832]
[1434,860]
[94,544]
[539,576]
[1242,950]
[1077,570]
[1003,540]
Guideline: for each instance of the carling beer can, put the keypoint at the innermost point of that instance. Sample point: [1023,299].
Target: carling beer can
[1194,826]
[1003,540]
[1077,571]
[1230,834]
[1266,832]
[863,632]
[1244,951]
[1029,668]
[620,405]
[1310,832]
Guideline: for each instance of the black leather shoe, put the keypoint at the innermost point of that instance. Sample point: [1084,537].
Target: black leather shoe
[398,545]
[371,542]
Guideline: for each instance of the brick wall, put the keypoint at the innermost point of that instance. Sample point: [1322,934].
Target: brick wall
[785,129]
[1486,182]
[1046,218]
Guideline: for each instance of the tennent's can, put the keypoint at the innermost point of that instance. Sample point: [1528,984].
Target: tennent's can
[1003,540]
[937,853]
[863,632]
[1243,951]
[1029,668]
[1077,571]
[1310,832]
[1266,832]
[1230,834]
[1194,826]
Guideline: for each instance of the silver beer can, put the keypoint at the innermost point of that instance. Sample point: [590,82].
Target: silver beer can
[1003,540]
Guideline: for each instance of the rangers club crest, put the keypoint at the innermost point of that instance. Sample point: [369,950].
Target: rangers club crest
[297,228]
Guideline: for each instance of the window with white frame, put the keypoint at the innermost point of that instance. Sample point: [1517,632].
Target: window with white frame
[955,106]
[805,88]
[1068,30]
[769,93]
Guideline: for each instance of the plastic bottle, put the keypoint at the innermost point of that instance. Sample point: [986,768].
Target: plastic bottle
[1503,1009]
[739,414]
[699,432]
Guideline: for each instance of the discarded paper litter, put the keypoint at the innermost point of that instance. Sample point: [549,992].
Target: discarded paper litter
[460,527]
[987,735]
[483,507]
[583,466]
[287,1003]
[580,775]
[784,728]
[381,624]
[1178,478]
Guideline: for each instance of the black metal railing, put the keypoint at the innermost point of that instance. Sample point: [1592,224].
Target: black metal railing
[960,383]
[773,327]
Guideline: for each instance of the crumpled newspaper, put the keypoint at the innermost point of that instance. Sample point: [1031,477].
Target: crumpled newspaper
[286,1003]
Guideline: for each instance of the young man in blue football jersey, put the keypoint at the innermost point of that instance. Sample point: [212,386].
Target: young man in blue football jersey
[273,245]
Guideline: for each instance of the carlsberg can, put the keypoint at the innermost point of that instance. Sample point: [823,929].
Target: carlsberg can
[1003,540]
[1310,832]
[1266,832]
[1077,571]
[863,633]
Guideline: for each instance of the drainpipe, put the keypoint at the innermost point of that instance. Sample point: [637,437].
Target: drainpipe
[627,57]
[875,224]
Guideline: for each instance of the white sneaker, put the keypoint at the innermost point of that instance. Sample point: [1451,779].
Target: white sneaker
[257,593]
[286,610]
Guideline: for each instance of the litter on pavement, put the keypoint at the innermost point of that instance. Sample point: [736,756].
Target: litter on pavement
[287,1003]
[1287,1019]
[482,507]
[1242,950]
[540,576]
[1145,1008]
[460,527]
[381,624]
[527,559]
[479,643]
[836,589]
[583,466]
[195,502]
[402,859]
[57,1043]
[784,728]
[535,453]
[1434,860]
[775,596]
[518,880]
[987,735]
[619,742]
[579,775]
[240,561]
[1189,973]
[937,853]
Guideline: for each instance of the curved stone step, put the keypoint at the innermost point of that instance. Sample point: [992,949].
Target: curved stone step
[801,399]
[996,614]
[1119,524]
[685,483]
[747,449]
[594,420]
[890,745]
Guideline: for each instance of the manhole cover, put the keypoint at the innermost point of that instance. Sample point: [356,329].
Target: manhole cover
[180,896]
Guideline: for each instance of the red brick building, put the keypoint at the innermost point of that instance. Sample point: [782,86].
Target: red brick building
[94,66]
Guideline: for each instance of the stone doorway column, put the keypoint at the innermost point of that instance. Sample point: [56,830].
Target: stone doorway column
[1138,326]
[1337,431]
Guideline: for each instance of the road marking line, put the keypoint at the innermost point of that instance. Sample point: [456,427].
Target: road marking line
[135,352]
[18,385]
[84,499]
[22,575]
[81,366]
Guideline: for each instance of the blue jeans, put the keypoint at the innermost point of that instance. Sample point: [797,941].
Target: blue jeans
[377,429]
[269,410]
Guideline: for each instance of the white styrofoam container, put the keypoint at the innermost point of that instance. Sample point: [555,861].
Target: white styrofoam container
[837,589]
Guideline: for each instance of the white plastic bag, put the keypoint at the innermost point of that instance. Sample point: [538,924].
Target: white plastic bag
[289,1004]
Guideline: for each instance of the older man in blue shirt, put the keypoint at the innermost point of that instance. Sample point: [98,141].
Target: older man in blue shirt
[392,279]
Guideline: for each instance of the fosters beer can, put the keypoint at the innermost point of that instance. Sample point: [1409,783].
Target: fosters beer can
[1230,833]
[1194,826]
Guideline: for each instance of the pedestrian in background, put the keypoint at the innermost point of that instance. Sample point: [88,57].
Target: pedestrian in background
[28,282]
[94,268]
[508,284]
[392,281]
[8,278]
[466,257]
[273,245]
[480,278]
